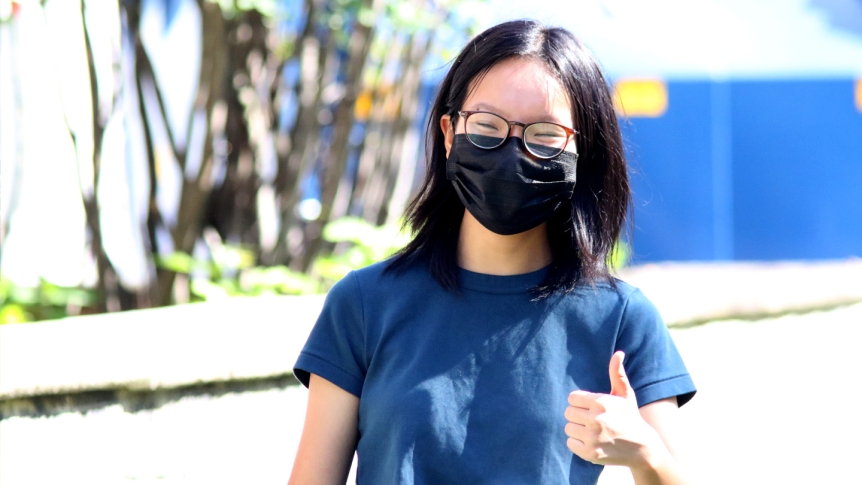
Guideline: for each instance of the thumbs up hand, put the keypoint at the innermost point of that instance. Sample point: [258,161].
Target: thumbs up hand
[620,385]
[608,429]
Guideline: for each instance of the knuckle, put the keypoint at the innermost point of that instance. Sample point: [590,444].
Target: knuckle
[575,396]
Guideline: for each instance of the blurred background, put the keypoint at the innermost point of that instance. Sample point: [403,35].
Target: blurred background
[159,152]
[166,151]
[163,152]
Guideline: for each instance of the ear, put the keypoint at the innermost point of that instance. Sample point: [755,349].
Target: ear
[448,129]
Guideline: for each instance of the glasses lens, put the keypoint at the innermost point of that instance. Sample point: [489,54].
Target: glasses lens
[545,140]
[486,130]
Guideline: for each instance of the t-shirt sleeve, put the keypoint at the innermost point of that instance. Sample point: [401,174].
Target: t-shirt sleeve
[653,364]
[335,349]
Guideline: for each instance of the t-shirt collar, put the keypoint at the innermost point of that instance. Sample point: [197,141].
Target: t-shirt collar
[520,283]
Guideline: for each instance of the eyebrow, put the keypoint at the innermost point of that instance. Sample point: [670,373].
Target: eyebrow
[488,107]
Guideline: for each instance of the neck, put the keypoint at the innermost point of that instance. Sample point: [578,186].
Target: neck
[483,251]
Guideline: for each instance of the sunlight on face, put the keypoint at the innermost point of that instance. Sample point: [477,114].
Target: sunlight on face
[518,89]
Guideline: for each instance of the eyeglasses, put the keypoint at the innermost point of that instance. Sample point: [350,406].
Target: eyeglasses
[488,131]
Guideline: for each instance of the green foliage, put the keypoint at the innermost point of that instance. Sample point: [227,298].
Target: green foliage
[399,14]
[47,301]
[231,271]
[363,244]
[620,256]
[408,17]
[230,8]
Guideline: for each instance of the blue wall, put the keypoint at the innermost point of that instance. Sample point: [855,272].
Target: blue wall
[749,170]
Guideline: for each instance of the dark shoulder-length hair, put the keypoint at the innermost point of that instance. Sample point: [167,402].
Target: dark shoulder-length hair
[582,233]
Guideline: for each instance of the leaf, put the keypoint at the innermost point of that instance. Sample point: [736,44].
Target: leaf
[232,258]
[207,290]
[352,229]
[277,279]
[61,296]
[359,257]
[366,17]
[5,288]
[331,269]
[14,313]
[267,8]
[177,262]
[619,256]
[298,285]
[23,295]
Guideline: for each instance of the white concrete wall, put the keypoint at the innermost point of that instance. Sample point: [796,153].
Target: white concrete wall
[247,338]
[242,338]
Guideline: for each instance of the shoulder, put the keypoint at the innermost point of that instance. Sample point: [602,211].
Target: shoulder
[616,293]
[371,272]
[378,282]
[637,305]
[382,276]
[615,304]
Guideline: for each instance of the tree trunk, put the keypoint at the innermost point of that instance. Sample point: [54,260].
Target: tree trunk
[195,189]
[335,162]
[107,284]
[296,160]
[251,127]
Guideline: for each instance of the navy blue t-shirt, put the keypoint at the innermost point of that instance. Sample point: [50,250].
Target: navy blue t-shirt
[470,387]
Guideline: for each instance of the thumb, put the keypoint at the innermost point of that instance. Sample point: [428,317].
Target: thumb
[619,380]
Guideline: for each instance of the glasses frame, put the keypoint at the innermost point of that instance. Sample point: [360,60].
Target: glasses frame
[570,133]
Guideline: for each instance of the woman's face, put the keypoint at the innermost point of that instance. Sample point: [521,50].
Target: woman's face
[520,90]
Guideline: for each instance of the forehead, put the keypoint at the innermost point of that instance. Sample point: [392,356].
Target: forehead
[520,89]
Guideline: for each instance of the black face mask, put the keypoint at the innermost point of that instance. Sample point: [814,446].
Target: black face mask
[505,189]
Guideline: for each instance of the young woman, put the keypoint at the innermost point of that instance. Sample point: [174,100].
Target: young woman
[496,347]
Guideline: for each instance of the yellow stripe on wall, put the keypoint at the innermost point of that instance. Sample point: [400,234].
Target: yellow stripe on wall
[859,94]
[640,98]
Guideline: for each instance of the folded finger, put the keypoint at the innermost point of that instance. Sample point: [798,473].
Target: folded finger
[578,415]
[577,431]
[582,399]
[577,447]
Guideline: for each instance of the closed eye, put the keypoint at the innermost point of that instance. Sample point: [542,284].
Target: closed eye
[486,127]
[550,135]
